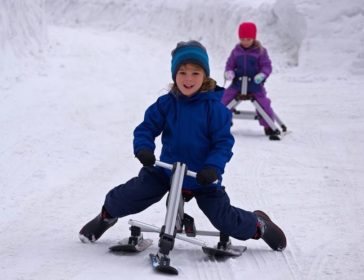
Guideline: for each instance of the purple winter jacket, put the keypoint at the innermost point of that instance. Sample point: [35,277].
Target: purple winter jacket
[249,62]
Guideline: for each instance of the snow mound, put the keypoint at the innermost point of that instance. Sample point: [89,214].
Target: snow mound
[214,23]
[22,37]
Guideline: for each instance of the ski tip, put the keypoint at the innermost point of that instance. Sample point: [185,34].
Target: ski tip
[161,266]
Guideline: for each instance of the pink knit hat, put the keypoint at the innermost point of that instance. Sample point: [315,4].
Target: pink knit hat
[247,30]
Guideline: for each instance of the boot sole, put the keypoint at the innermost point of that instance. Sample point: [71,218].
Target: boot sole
[84,239]
[87,235]
[275,229]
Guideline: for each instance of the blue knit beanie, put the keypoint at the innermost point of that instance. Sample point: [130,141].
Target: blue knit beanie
[189,52]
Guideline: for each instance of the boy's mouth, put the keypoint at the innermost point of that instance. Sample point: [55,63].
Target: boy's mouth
[188,86]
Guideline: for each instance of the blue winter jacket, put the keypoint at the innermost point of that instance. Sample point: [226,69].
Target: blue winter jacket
[195,131]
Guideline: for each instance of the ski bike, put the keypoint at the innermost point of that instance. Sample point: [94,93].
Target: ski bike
[278,133]
[177,225]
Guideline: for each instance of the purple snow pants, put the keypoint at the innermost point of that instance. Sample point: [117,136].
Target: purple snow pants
[260,97]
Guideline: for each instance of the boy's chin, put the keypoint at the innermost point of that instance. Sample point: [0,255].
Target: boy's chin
[188,94]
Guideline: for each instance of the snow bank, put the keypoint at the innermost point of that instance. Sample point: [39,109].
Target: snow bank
[22,37]
[213,22]
[297,33]
[323,36]
[335,36]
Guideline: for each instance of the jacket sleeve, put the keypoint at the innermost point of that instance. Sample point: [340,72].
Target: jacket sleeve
[230,63]
[151,127]
[222,141]
[265,63]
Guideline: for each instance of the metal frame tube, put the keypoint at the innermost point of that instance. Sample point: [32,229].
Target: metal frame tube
[174,198]
[150,228]
[246,115]
[244,85]
[264,115]
[279,121]
[233,104]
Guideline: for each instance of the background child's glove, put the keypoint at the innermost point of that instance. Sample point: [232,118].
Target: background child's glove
[146,157]
[206,176]
[229,75]
[259,78]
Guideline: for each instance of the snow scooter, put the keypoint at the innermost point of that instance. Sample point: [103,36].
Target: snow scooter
[255,115]
[177,225]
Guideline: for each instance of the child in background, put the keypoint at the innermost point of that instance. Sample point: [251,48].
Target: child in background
[249,58]
[195,129]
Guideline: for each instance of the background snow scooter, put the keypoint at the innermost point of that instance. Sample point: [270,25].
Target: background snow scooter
[177,225]
[255,115]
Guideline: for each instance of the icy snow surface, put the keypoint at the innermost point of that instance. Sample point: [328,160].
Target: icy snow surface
[75,79]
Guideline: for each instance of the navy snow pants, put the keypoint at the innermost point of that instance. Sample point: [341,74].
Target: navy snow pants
[152,184]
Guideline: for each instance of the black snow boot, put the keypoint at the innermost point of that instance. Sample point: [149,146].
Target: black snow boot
[270,132]
[270,232]
[96,227]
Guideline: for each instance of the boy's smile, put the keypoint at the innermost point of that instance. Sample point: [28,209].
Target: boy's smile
[189,79]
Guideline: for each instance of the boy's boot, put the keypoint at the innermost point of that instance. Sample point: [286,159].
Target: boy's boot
[269,232]
[96,227]
[270,132]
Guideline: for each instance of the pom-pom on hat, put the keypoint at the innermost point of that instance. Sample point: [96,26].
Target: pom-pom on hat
[247,30]
[189,52]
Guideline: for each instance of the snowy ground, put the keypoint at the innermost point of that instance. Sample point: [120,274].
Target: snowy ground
[66,139]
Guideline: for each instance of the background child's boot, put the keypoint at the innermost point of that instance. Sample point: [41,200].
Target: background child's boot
[269,232]
[96,227]
[270,132]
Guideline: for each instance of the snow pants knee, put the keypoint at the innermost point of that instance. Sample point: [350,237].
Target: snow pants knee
[229,94]
[138,193]
[233,221]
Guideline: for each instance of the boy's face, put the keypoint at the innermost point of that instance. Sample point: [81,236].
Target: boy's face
[246,42]
[189,79]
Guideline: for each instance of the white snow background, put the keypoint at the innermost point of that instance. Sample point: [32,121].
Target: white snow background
[75,79]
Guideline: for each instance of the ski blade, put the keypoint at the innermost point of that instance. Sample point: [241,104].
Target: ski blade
[160,267]
[232,251]
[123,246]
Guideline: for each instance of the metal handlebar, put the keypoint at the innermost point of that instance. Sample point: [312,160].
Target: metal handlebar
[170,167]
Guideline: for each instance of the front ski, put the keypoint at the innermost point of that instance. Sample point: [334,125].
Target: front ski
[231,251]
[162,264]
[126,246]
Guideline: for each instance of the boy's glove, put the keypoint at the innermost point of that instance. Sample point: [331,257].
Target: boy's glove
[259,78]
[206,176]
[146,157]
[229,75]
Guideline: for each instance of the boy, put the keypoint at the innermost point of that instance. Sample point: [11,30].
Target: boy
[195,129]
